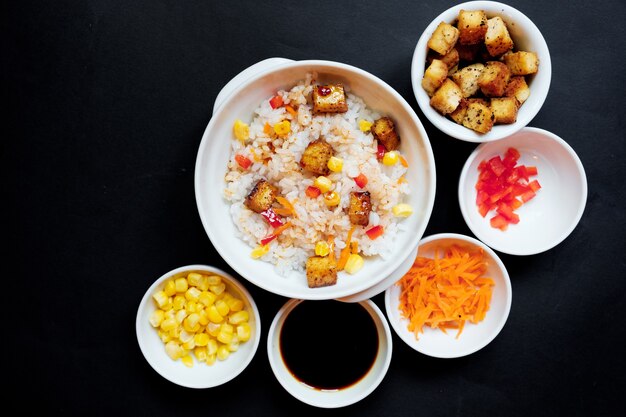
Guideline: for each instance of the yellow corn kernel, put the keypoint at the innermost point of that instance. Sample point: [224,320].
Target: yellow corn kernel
[192,307]
[206,298]
[173,350]
[160,298]
[222,308]
[243,332]
[235,304]
[164,336]
[214,315]
[192,323]
[241,131]
[214,280]
[169,305]
[322,248]
[187,360]
[354,264]
[233,346]
[157,317]
[223,353]
[323,184]
[335,164]
[204,317]
[175,332]
[391,158]
[210,359]
[217,289]
[364,125]
[201,339]
[239,317]
[332,199]
[189,345]
[211,347]
[201,353]
[282,128]
[180,316]
[213,329]
[168,324]
[259,251]
[169,288]
[192,294]
[185,336]
[402,210]
[194,278]
[179,302]
[203,284]
[169,314]
[225,335]
[181,284]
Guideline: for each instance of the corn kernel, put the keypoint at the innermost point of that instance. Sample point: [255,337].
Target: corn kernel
[164,336]
[185,336]
[180,316]
[243,332]
[259,251]
[168,324]
[192,307]
[193,294]
[391,158]
[169,305]
[402,210]
[223,353]
[173,350]
[238,317]
[213,329]
[323,184]
[222,308]
[194,278]
[211,347]
[187,360]
[214,315]
[322,248]
[160,298]
[365,125]
[157,317]
[181,284]
[175,332]
[332,199]
[217,289]
[189,345]
[335,164]
[204,317]
[282,128]
[169,288]
[241,131]
[201,339]
[214,279]
[354,264]
[169,314]
[203,284]
[224,337]
[206,298]
[234,304]
[201,353]
[233,346]
[192,323]
[179,302]
[210,359]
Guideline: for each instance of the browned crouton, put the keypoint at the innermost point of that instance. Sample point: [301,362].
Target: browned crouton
[467,52]
[261,197]
[497,38]
[329,98]
[478,117]
[359,208]
[443,38]
[504,109]
[384,131]
[434,76]
[451,59]
[315,157]
[493,79]
[517,88]
[321,271]
[521,62]
[472,26]
[460,111]
[447,97]
[467,79]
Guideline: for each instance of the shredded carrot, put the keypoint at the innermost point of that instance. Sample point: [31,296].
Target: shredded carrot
[345,252]
[401,180]
[267,129]
[404,162]
[291,110]
[354,247]
[288,208]
[444,293]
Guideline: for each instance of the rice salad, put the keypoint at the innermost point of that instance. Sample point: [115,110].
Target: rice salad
[308,224]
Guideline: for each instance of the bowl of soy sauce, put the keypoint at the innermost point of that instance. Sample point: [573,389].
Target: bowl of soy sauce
[328,353]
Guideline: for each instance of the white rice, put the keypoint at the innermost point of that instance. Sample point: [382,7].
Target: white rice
[315,221]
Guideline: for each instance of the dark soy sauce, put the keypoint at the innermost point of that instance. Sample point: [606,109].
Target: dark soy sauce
[329,345]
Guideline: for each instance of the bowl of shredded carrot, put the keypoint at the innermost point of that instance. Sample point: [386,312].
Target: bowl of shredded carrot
[454,300]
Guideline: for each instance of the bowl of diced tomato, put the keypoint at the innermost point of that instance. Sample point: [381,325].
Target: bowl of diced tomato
[524,194]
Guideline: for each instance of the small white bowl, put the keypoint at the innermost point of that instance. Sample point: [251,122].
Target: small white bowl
[526,37]
[336,398]
[200,375]
[547,219]
[433,342]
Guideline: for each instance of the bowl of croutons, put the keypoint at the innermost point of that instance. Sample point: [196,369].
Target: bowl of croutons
[481,71]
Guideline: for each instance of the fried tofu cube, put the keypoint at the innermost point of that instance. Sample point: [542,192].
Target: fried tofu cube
[451,59]
[447,98]
[321,271]
[478,117]
[385,132]
[467,79]
[434,76]
[261,197]
[443,38]
[504,109]
[517,88]
[494,78]
[359,208]
[316,156]
[460,111]
[472,26]
[329,98]
[497,39]
[521,62]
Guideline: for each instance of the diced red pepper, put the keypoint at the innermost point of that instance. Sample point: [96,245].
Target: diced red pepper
[312,192]
[380,152]
[361,180]
[511,157]
[268,239]
[243,161]
[515,204]
[483,209]
[276,101]
[496,165]
[534,185]
[375,232]
[507,211]
[532,170]
[272,218]
[499,222]
[528,195]
[481,197]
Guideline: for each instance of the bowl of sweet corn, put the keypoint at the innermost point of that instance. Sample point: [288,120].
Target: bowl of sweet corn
[198,327]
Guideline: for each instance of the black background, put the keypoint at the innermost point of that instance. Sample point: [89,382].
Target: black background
[105,106]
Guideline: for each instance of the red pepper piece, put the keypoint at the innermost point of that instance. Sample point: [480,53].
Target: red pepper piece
[312,192]
[380,152]
[531,170]
[361,180]
[483,209]
[272,218]
[276,101]
[499,222]
[528,195]
[507,211]
[534,185]
[268,239]
[375,232]
[243,161]
[496,165]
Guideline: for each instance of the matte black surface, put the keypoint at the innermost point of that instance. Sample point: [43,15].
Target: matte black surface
[105,106]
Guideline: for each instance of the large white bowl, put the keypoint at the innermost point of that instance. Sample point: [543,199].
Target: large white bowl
[526,37]
[241,98]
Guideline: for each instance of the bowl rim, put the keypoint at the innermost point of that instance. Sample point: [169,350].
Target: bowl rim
[314,65]
[139,325]
[566,232]
[276,361]
[455,130]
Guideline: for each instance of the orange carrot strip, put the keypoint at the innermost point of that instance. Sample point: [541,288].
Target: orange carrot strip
[291,110]
[345,252]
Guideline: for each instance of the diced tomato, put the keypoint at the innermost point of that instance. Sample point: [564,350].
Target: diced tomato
[499,222]
[531,170]
[528,195]
[380,152]
[361,180]
[507,211]
[534,185]
[496,165]
[272,218]
[276,101]
[312,192]
[243,161]
[375,232]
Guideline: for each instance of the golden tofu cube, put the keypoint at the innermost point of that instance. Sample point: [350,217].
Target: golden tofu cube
[443,38]
[472,26]
[359,208]
[434,76]
[384,130]
[451,59]
[494,79]
[467,79]
[521,62]
[316,156]
[321,271]
[261,197]
[504,109]
[329,98]
[478,117]
[517,88]
[497,38]
[447,98]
